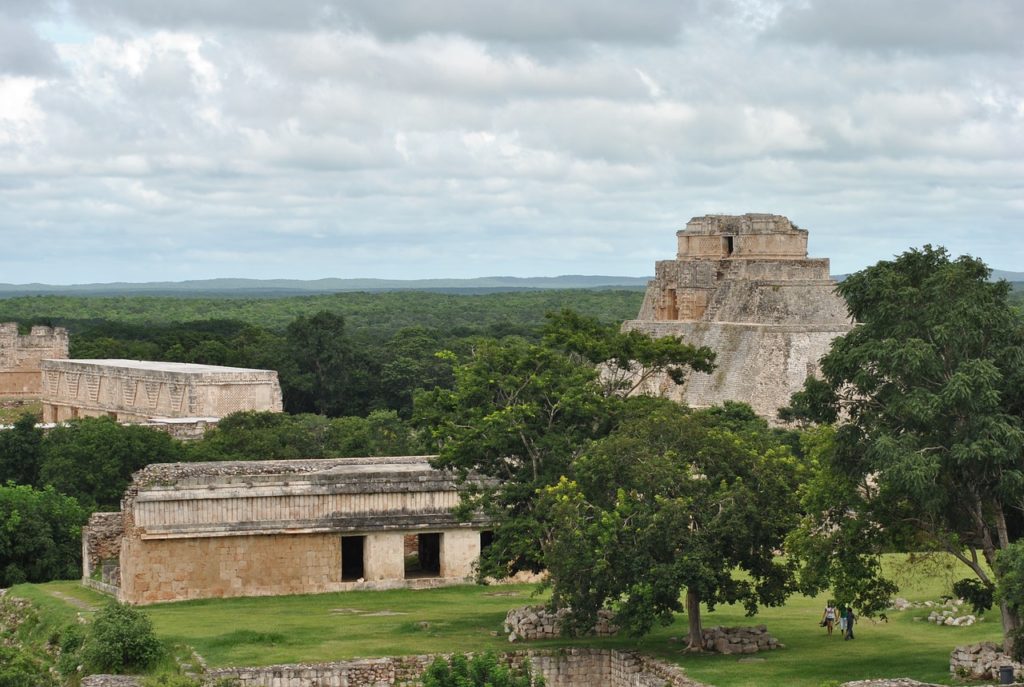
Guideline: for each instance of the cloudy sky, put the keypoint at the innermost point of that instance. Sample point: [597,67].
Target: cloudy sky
[151,140]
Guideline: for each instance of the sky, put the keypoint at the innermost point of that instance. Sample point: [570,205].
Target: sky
[147,140]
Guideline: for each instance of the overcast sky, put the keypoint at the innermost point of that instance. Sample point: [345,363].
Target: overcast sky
[150,140]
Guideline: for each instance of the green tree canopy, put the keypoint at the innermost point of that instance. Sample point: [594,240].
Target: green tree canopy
[928,392]
[673,500]
[521,413]
[21,451]
[253,435]
[40,535]
[93,459]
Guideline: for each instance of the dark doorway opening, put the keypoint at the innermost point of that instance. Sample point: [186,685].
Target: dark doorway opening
[486,539]
[426,562]
[352,558]
[727,245]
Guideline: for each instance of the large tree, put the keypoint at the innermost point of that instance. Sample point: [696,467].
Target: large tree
[521,413]
[673,500]
[928,395]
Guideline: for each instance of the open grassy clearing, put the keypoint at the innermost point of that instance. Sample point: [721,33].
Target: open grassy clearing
[12,409]
[263,631]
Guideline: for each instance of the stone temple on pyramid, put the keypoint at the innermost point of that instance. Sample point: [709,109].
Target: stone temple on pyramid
[743,286]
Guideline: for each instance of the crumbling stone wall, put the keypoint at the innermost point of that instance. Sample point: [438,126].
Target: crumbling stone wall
[739,640]
[567,668]
[101,547]
[528,623]
[21,355]
[981,661]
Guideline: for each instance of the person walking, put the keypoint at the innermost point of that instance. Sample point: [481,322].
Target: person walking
[828,618]
[849,617]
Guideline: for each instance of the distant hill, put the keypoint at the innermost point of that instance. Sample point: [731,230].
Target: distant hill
[298,287]
[239,288]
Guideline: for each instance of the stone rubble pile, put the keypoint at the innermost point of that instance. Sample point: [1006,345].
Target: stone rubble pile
[981,662]
[901,604]
[951,618]
[943,612]
[528,623]
[739,640]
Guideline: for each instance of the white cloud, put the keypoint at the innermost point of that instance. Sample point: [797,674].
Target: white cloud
[367,139]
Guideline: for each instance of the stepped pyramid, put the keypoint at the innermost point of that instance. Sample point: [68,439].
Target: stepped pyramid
[743,286]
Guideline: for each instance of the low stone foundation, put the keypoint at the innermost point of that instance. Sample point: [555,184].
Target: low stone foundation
[739,640]
[567,668]
[981,662]
[537,622]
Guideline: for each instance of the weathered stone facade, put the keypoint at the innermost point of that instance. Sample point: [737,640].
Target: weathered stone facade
[139,390]
[744,287]
[21,355]
[199,530]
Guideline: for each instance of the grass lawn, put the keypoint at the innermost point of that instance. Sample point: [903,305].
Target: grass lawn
[263,631]
[11,410]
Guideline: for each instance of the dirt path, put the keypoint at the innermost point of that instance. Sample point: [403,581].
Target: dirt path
[77,603]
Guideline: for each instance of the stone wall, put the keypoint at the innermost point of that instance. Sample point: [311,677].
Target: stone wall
[101,546]
[567,668]
[528,623]
[981,662]
[135,390]
[756,364]
[21,355]
[739,640]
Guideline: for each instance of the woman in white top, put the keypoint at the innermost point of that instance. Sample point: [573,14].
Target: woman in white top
[828,619]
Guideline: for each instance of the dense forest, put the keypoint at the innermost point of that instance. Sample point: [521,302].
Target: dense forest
[336,355]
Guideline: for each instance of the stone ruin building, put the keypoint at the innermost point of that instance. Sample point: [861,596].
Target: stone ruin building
[201,530]
[156,393]
[743,286]
[21,355]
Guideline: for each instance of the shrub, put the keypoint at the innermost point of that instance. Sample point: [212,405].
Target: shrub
[17,669]
[978,594]
[120,639]
[483,670]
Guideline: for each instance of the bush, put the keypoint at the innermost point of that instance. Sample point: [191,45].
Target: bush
[120,639]
[17,669]
[483,670]
[975,592]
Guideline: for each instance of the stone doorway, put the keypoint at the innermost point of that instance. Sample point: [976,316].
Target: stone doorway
[426,561]
[352,558]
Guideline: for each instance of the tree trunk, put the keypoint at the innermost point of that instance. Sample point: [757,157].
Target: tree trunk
[1011,621]
[693,615]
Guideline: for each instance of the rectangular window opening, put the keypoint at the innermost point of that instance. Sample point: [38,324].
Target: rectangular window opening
[727,245]
[426,560]
[352,559]
[486,539]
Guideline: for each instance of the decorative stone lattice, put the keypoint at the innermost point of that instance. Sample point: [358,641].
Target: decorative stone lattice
[536,622]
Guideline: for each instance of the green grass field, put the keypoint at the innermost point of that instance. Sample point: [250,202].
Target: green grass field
[264,631]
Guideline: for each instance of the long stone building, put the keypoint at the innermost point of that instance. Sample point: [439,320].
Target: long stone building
[199,530]
[144,391]
[744,287]
[22,354]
